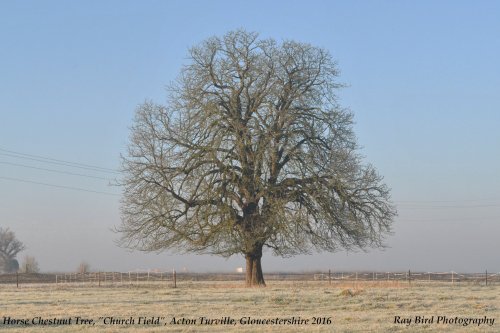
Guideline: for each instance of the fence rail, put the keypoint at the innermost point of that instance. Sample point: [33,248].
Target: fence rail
[154,276]
[410,276]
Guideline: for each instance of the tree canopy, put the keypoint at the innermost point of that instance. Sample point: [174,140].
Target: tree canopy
[251,151]
[10,246]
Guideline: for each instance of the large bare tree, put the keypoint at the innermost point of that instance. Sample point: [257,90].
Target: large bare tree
[251,151]
[10,246]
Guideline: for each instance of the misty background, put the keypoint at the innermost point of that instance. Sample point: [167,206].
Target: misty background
[423,82]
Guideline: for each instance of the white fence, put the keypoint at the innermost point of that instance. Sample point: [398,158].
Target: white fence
[102,278]
[170,278]
[410,276]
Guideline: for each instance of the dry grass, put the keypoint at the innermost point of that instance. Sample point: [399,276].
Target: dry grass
[353,307]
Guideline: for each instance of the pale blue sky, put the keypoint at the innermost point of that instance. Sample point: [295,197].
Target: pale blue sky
[423,82]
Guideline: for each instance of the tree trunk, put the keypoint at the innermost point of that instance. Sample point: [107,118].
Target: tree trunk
[254,276]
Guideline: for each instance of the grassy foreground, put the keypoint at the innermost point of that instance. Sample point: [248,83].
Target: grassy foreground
[337,307]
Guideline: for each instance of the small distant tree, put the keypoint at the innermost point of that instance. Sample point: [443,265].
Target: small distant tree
[10,246]
[84,267]
[29,265]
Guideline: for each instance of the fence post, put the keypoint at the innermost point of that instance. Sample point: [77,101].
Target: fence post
[409,277]
[17,279]
[329,276]
[99,278]
[486,275]
[175,280]
[452,277]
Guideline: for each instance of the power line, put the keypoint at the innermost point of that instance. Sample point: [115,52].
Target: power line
[44,159]
[447,206]
[413,204]
[58,186]
[417,202]
[53,170]
[450,219]
[443,204]
[57,160]
[58,163]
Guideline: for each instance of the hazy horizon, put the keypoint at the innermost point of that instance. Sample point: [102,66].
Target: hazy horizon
[422,81]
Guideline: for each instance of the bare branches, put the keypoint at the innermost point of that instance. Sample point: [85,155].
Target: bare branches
[10,246]
[252,150]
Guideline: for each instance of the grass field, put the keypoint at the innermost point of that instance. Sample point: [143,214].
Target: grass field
[347,307]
